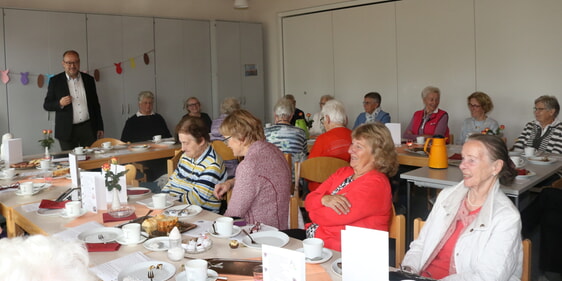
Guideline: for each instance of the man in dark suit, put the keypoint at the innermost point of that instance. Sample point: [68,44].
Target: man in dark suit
[72,95]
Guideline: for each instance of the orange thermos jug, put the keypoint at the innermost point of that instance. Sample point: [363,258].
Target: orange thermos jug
[438,154]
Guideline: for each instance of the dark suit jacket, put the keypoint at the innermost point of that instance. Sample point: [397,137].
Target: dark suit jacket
[58,88]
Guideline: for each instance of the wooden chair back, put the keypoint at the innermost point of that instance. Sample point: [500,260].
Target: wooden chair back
[527,248]
[113,141]
[397,231]
[173,162]
[223,150]
[131,175]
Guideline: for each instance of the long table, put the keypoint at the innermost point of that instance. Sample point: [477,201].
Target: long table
[31,222]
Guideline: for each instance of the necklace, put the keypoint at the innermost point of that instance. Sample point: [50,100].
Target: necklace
[470,201]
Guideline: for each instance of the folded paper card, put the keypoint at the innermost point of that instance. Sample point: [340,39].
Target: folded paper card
[356,242]
[282,264]
[394,129]
[13,149]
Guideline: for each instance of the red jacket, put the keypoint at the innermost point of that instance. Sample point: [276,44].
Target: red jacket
[371,205]
[333,143]
[430,125]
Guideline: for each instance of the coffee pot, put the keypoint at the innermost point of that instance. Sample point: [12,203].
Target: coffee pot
[437,154]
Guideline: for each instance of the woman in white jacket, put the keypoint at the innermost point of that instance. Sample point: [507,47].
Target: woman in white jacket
[473,231]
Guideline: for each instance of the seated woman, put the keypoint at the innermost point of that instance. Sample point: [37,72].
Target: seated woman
[473,230]
[545,132]
[228,106]
[288,138]
[431,120]
[336,140]
[199,168]
[193,107]
[317,127]
[479,104]
[261,187]
[358,195]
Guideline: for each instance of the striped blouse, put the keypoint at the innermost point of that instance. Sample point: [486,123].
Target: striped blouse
[194,180]
[549,141]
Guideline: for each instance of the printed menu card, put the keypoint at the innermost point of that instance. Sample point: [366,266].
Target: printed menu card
[364,254]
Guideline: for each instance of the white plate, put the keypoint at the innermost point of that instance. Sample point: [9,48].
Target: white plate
[157,244]
[189,212]
[120,146]
[64,215]
[49,212]
[273,238]
[143,238]
[530,174]
[139,147]
[326,255]
[110,234]
[335,268]
[140,270]
[541,160]
[211,275]
[168,143]
[235,231]
[139,188]
[515,153]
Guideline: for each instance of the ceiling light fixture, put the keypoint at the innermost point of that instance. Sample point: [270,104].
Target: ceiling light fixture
[240,4]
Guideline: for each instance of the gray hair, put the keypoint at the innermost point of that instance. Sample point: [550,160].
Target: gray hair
[284,108]
[430,89]
[229,105]
[326,97]
[145,95]
[550,102]
[335,110]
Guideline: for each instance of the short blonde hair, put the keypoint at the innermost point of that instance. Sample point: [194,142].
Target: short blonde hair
[378,136]
[242,125]
[228,105]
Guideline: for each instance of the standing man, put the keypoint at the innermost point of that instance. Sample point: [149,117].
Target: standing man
[373,112]
[72,95]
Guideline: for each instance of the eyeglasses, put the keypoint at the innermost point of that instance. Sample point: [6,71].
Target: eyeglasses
[226,139]
[539,109]
[72,62]
[193,104]
[474,105]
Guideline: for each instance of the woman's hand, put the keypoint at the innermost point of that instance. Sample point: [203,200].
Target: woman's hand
[222,188]
[338,203]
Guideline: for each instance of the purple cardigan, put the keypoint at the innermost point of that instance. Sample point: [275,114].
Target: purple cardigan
[261,191]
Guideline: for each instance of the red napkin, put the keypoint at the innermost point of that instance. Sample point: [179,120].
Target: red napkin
[137,191]
[50,204]
[100,247]
[456,156]
[108,218]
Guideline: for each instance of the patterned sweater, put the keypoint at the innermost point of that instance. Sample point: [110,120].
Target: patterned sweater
[550,141]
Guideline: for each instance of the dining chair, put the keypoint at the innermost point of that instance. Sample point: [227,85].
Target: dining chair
[113,141]
[527,247]
[172,163]
[131,175]
[223,150]
[397,231]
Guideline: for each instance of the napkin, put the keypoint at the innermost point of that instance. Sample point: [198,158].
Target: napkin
[100,247]
[50,204]
[137,191]
[456,156]
[108,218]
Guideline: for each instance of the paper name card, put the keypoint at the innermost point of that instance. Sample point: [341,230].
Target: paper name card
[93,191]
[282,264]
[13,150]
[364,254]
[74,171]
[395,132]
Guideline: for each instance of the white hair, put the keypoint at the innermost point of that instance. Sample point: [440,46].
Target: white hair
[336,110]
[284,108]
[43,258]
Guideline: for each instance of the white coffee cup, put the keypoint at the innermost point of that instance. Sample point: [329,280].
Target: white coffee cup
[420,140]
[312,247]
[518,161]
[159,201]
[106,144]
[157,138]
[529,151]
[79,150]
[131,232]
[9,173]
[45,164]
[196,270]
[72,208]
[26,188]
[223,226]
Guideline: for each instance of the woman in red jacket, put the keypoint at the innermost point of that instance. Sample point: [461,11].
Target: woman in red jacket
[430,120]
[358,195]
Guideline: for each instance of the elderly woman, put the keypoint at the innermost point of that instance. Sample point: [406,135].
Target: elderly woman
[479,104]
[145,123]
[288,138]
[193,108]
[473,230]
[545,132]
[358,195]
[431,120]
[199,168]
[228,105]
[373,111]
[261,187]
[336,140]
[317,126]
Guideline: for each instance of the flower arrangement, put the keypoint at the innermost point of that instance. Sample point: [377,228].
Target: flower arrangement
[497,132]
[309,120]
[47,140]
[112,178]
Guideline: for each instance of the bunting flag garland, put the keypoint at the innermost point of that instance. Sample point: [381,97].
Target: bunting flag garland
[97,75]
[132,61]
[24,79]
[146,59]
[118,68]
[5,77]
[40,81]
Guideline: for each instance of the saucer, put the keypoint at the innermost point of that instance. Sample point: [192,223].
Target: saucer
[157,244]
[235,231]
[64,215]
[7,178]
[211,275]
[35,191]
[336,266]
[150,205]
[326,255]
[143,238]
